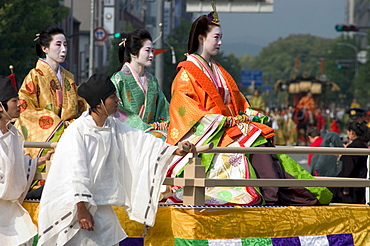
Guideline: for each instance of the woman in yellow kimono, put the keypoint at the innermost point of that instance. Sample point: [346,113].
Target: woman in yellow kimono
[49,101]
[207,106]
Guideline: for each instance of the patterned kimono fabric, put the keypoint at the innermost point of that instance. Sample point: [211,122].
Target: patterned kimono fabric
[46,105]
[202,97]
[142,103]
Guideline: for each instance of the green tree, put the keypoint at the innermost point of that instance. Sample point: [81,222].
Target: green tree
[354,86]
[231,63]
[178,39]
[246,62]
[114,63]
[363,82]
[345,78]
[278,58]
[20,20]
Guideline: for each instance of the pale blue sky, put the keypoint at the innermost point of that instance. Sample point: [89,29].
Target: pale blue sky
[249,32]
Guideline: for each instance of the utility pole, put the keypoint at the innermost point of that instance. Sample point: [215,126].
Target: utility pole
[159,59]
[91,53]
[71,42]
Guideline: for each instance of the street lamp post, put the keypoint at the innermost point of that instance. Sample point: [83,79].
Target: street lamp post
[356,63]
[159,60]
[91,48]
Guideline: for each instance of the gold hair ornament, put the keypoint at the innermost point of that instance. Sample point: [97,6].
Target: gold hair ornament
[215,19]
[37,37]
[123,42]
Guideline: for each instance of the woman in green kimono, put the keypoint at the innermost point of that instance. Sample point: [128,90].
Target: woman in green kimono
[142,103]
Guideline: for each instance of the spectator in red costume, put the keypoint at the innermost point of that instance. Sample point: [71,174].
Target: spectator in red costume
[313,135]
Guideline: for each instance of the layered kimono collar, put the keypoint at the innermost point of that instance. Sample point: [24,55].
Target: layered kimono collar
[58,73]
[127,69]
[200,62]
[214,73]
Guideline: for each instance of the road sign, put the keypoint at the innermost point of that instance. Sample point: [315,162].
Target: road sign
[251,77]
[362,56]
[100,34]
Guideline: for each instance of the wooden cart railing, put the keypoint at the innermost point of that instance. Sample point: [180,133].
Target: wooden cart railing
[194,180]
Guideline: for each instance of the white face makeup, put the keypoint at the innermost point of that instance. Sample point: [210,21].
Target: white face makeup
[213,41]
[145,56]
[57,50]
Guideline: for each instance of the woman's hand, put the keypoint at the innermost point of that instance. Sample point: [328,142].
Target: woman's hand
[41,160]
[185,148]
[233,121]
[84,217]
[163,126]
[67,123]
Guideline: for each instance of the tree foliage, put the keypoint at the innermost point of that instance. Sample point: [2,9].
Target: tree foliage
[279,57]
[246,62]
[113,61]
[20,21]
[345,78]
[363,83]
[277,61]
[178,39]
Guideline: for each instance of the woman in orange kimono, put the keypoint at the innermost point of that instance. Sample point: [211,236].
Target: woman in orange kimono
[207,106]
[48,97]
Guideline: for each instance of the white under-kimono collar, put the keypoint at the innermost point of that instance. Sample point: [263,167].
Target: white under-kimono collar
[89,119]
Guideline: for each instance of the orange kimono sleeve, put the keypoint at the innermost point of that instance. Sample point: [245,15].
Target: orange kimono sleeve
[186,107]
[194,96]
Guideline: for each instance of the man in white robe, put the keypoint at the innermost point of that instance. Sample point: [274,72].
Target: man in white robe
[16,173]
[101,162]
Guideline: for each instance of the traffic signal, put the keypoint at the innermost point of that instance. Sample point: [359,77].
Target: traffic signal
[346,28]
[119,35]
[345,64]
